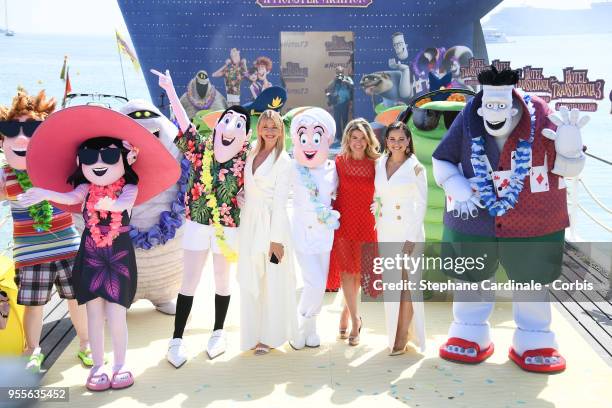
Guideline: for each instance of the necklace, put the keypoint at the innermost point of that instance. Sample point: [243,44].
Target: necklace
[498,206]
[197,101]
[96,193]
[41,213]
[325,215]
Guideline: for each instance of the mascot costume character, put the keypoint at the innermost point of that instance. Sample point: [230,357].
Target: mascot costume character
[45,238]
[502,166]
[156,225]
[217,158]
[314,181]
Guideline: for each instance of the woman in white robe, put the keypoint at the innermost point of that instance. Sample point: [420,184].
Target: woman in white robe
[267,290]
[399,206]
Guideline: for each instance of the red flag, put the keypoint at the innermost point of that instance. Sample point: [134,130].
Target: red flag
[68,86]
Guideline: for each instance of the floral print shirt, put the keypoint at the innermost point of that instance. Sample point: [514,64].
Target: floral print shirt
[228,180]
[233,77]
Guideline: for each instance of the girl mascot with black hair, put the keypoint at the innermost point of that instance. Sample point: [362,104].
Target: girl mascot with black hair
[103,164]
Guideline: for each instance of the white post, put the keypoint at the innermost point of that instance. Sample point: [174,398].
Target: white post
[573,206]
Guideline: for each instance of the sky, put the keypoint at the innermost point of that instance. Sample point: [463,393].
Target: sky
[99,17]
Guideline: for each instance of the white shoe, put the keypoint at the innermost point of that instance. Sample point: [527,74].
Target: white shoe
[177,353]
[300,341]
[312,338]
[216,344]
[168,308]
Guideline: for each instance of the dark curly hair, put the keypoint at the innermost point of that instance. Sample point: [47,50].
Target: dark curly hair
[494,77]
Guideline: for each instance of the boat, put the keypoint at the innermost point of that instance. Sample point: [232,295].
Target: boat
[187,36]
[494,36]
[333,374]
[7,31]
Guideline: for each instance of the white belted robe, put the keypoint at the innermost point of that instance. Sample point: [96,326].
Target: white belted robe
[267,290]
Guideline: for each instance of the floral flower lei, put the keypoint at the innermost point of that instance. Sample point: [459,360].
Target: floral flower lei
[211,201]
[96,193]
[484,183]
[169,221]
[207,103]
[41,213]
[325,215]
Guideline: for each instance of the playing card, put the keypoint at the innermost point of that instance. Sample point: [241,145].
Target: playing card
[538,179]
[450,203]
[501,181]
[562,183]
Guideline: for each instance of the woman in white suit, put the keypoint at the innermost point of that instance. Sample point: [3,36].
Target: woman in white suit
[400,202]
[265,264]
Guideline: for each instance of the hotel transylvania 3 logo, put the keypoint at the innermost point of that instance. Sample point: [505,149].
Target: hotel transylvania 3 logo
[575,84]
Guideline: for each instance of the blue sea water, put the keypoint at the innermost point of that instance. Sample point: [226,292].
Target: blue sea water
[35,61]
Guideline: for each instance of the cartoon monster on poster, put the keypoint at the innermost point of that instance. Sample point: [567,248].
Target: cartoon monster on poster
[502,166]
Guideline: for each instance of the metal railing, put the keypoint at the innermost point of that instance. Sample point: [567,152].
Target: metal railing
[574,204]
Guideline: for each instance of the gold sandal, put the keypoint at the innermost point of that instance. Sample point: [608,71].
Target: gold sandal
[354,340]
[261,350]
[343,333]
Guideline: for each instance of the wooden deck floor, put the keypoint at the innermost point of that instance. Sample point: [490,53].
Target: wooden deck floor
[590,313]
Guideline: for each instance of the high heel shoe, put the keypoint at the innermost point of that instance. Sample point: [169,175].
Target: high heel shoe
[354,340]
[399,352]
[342,334]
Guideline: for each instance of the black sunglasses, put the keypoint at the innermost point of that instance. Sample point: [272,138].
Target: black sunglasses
[11,128]
[428,119]
[90,156]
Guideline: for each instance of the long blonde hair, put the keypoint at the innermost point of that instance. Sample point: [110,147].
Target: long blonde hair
[275,117]
[372,150]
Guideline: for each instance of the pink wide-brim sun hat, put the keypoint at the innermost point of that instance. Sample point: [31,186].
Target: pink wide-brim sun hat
[51,156]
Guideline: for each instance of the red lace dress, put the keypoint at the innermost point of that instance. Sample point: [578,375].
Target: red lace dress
[354,196]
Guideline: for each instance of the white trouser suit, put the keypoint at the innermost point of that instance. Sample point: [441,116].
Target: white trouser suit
[403,199]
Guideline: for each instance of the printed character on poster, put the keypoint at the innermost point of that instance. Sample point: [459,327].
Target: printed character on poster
[217,158]
[427,61]
[339,94]
[314,180]
[254,85]
[103,165]
[407,84]
[508,154]
[234,70]
[201,94]
[156,225]
[454,59]
[264,67]
[45,240]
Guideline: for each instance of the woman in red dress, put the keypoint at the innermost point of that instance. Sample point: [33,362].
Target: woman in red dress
[355,167]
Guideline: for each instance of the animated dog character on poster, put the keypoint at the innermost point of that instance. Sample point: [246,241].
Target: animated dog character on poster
[314,181]
[501,165]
